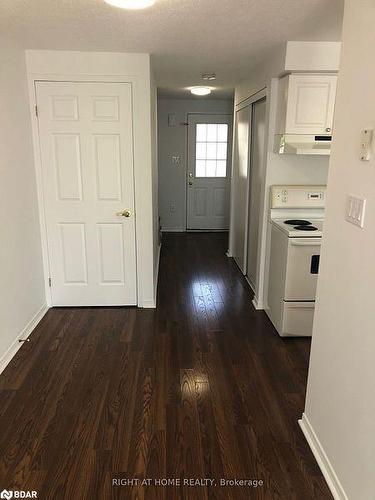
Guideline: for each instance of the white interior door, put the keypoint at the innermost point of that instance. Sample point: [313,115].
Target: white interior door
[256,177]
[86,149]
[208,173]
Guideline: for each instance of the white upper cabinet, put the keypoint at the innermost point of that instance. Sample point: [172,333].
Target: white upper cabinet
[306,104]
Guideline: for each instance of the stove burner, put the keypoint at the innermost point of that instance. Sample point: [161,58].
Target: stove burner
[306,228]
[298,222]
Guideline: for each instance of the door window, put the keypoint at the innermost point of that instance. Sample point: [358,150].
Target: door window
[211,150]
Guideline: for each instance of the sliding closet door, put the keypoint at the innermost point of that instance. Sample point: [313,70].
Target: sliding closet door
[240,186]
[256,176]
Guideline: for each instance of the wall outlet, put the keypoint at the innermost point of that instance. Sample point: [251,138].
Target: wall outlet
[355,211]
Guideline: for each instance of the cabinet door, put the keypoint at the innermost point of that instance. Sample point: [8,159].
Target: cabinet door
[302,268]
[311,102]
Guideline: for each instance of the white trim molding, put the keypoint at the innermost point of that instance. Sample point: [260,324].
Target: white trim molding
[23,334]
[253,98]
[257,304]
[324,463]
[156,279]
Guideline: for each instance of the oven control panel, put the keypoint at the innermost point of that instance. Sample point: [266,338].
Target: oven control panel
[298,196]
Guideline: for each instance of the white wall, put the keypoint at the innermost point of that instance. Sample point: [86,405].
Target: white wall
[173,141]
[312,56]
[340,404]
[134,68]
[22,294]
[261,74]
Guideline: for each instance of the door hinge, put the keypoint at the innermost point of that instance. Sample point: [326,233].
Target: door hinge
[49,282]
[36,110]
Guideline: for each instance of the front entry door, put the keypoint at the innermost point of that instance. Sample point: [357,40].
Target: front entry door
[86,147]
[208,171]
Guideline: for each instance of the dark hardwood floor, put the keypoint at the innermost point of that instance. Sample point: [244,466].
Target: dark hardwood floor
[201,388]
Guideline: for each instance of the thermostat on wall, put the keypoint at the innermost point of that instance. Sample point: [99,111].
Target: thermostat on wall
[172,120]
[366,141]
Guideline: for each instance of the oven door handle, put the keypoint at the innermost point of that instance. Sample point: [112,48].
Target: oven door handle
[306,243]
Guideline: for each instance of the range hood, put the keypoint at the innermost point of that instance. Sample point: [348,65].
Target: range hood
[298,144]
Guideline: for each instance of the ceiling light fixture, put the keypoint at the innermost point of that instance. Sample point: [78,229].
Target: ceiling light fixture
[200,90]
[131,4]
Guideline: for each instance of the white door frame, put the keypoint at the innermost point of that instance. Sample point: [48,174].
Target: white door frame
[32,79]
[249,102]
[258,96]
[186,163]
[248,200]
[188,160]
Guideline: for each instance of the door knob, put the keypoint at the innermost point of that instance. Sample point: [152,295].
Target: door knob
[190,183]
[124,213]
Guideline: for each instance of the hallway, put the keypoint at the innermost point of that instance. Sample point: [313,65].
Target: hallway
[201,387]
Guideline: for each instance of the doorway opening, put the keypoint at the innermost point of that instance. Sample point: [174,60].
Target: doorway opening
[194,163]
[208,172]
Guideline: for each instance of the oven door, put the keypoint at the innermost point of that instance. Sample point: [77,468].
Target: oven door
[302,268]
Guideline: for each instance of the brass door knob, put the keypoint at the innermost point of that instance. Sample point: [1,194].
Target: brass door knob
[125,213]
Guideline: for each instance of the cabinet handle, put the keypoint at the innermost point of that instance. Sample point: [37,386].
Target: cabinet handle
[314,268]
[311,243]
[328,129]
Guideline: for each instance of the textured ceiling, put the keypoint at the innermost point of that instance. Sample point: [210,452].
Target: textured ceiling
[185,37]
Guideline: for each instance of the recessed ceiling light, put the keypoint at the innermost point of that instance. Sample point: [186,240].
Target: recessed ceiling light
[131,4]
[200,90]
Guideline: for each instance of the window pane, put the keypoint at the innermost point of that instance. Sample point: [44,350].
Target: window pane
[201,132]
[222,151]
[200,153]
[200,168]
[211,150]
[222,133]
[211,168]
[211,132]
[221,169]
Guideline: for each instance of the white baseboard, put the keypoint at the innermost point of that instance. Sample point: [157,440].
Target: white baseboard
[151,304]
[148,304]
[257,303]
[157,276]
[8,355]
[325,465]
[173,230]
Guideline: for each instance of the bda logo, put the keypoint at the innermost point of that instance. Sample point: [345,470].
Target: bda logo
[6,494]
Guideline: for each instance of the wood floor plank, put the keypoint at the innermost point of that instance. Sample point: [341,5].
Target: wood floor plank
[202,388]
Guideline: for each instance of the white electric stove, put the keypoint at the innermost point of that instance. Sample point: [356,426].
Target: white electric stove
[296,217]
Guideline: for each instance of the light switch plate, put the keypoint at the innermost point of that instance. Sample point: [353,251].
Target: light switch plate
[172,120]
[355,211]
